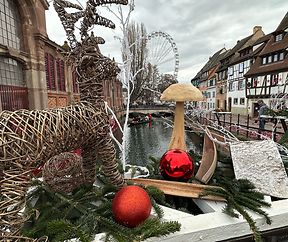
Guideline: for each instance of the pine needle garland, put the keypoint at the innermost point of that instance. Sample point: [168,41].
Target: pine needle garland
[84,213]
[241,195]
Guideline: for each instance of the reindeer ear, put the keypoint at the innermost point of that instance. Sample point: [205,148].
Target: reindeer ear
[89,15]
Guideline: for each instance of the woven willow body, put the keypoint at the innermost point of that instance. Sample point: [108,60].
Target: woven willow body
[30,138]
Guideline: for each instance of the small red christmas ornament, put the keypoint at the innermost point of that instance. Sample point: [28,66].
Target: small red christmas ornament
[176,165]
[131,206]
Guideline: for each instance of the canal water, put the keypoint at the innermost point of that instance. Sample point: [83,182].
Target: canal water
[152,139]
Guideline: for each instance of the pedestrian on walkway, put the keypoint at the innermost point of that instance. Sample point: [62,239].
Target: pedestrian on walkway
[262,110]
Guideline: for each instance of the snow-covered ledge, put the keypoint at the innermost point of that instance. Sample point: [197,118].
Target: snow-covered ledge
[217,226]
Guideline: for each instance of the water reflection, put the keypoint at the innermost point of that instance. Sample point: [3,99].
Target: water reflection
[146,140]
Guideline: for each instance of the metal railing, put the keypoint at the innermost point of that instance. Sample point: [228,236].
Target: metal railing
[13,97]
[243,125]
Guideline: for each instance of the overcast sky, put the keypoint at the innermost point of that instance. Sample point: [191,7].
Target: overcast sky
[198,27]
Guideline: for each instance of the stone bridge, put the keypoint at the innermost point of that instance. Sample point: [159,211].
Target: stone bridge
[144,109]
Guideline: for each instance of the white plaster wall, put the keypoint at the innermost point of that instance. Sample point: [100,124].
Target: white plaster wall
[211,100]
[237,108]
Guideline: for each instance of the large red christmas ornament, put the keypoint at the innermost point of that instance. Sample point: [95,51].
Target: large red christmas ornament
[131,206]
[176,165]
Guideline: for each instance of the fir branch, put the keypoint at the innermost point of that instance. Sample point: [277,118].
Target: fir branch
[257,196]
[252,205]
[83,213]
[158,209]
[245,185]
[156,193]
[243,199]
[119,232]
[229,210]
[219,192]
[284,138]
[153,227]
[241,194]
[251,222]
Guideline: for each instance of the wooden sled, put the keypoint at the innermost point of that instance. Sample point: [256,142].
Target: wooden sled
[181,189]
[209,159]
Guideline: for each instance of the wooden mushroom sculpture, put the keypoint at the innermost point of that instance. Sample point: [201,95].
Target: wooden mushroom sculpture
[179,93]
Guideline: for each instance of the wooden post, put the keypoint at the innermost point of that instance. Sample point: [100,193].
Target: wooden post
[238,123]
[247,133]
[230,121]
[275,134]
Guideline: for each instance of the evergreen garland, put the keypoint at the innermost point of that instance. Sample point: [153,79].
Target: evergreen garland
[284,139]
[85,212]
[241,195]
[273,113]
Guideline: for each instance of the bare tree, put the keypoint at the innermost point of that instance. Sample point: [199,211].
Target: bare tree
[137,41]
[165,81]
[149,89]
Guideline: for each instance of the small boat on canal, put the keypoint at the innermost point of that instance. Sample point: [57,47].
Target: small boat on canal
[140,120]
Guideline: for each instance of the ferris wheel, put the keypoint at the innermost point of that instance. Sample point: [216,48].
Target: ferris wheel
[163,53]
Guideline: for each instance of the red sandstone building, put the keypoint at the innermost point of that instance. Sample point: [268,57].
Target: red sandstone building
[34,73]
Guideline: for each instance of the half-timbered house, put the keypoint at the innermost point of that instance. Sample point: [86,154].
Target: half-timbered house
[205,80]
[240,62]
[268,76]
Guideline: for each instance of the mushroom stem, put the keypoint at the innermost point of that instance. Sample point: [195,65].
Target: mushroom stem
[178,134]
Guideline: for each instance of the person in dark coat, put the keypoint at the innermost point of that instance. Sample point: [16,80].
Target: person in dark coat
[262,110]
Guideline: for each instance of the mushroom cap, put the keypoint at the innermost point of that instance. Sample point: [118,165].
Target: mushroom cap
[181,92]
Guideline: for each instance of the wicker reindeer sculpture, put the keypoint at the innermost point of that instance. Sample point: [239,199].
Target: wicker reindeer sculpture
[30,138]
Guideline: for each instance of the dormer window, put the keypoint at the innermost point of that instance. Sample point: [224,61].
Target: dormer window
[275,57]
[269,59]
[279,37]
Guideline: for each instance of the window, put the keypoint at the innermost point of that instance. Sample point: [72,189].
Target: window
[241,67]
[248,83]
[242,101]
[213,94]
[50,71]
[246,64]
[210,83]
[268,79]
[10,25]
[11,72]
[273,58]
[274,80]
[230,87]
[255,81]
[269,58]
[241,85]
[208,95]
[230,71]
[278,37]
[60,75]
[235,101]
